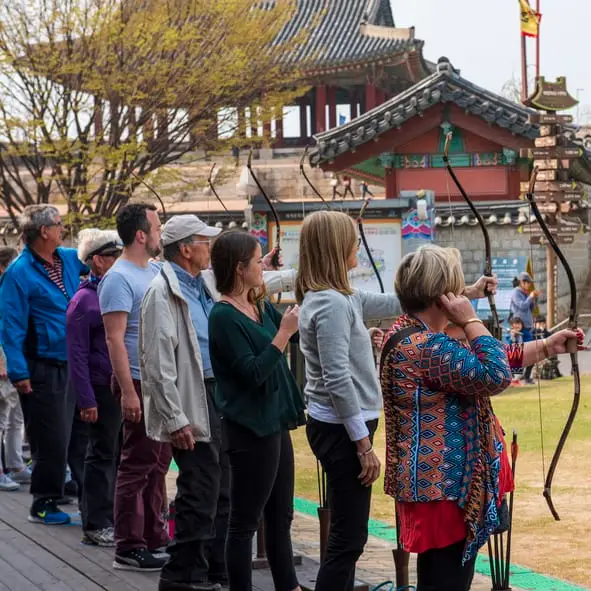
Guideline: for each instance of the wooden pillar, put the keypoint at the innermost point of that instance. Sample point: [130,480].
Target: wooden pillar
[390,182]
[332,107]
[380,96]
[279,126]
[320,115]
[304,135]
[370,97]
[353,102]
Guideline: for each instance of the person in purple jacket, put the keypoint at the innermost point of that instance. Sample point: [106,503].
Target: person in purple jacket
[90,377]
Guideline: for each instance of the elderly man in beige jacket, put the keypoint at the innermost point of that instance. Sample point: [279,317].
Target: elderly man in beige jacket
[178,387]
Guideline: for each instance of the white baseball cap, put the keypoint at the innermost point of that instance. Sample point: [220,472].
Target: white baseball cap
[179,227]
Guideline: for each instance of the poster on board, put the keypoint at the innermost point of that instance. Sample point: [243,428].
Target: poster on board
[383,237]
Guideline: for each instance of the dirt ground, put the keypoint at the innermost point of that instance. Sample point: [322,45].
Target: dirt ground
[560,549]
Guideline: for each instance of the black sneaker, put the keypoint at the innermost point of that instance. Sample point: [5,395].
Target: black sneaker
[138,559]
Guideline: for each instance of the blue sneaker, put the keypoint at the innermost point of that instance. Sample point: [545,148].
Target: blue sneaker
[48,514]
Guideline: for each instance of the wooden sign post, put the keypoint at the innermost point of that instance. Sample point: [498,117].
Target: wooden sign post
[553,190]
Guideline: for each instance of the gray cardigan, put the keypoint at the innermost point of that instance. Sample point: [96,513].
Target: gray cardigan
[340,367]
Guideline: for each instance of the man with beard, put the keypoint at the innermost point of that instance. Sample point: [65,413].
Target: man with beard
[140,534]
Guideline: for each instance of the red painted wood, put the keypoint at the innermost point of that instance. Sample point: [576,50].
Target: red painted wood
[389,141]
[371,99]
[332,107]
[321,98]
[481,128]
[482,182]
[391,184]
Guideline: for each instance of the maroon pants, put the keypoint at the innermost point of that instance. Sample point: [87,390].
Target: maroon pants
[139,489]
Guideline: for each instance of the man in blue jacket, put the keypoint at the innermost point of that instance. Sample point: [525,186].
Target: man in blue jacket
[34,294]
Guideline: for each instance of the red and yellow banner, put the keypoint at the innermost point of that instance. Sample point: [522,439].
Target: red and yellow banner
[530,19]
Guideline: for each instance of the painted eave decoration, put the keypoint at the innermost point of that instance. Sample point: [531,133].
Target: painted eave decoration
[443,86]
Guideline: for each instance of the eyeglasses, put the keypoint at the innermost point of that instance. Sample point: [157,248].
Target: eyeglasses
[359,242]
[60,224]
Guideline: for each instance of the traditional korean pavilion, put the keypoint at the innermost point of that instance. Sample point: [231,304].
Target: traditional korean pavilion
[400,143]
[357,57]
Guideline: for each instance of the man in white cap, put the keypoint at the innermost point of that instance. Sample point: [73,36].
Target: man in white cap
[177,387]
[90,381]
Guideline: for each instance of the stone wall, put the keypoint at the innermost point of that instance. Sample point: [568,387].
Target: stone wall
[506,241]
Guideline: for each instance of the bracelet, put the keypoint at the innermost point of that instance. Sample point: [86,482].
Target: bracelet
[471,321]
[362,454]
[545,348]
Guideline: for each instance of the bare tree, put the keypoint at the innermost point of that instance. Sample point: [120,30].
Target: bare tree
[96,94]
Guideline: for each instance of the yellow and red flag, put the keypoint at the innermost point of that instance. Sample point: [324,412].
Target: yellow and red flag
[530,19]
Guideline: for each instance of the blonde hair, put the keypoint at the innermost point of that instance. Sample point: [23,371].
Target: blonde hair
[326,243]
[427,274]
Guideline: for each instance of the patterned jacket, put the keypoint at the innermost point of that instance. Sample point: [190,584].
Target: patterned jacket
[441,433]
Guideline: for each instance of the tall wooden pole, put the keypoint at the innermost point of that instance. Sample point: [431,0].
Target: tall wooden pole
[538,41]
[524,89]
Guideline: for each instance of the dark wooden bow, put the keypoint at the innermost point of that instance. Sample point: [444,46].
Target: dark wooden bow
[212,188]
[277,246]
[365,243]
[571,347]
[487,247]
[153,191]
[303,173]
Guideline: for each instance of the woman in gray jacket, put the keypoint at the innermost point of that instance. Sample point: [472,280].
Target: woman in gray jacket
[344,399]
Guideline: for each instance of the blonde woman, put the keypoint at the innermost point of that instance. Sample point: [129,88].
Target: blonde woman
[344,399]
[446,462]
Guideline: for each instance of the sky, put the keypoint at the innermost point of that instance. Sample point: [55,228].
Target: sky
[483,40]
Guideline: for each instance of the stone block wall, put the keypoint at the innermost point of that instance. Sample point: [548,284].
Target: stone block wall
[506,241]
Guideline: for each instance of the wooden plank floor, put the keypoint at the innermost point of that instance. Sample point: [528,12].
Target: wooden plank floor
[34,557]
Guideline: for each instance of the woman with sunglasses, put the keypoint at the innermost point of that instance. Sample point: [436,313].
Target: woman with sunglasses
[90,378]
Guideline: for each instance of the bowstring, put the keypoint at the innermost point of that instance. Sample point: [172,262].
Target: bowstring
[537,363]
[453,237]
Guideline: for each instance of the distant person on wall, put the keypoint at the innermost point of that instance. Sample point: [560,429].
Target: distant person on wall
[14,472]
[90,379]
[334,183]
[365,190]
[523,302]
[35,291]
[140,534]
[550,369]
[348,189]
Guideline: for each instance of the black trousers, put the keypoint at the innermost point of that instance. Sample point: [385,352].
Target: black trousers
[441,569]
[100,461]
[46,414]
[261,483]
[78,434]
[348,499]
[202,506]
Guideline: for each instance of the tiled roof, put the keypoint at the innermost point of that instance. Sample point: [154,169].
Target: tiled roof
[443,86]
[346,31]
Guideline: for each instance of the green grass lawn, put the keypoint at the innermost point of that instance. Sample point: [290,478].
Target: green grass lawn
[540,543]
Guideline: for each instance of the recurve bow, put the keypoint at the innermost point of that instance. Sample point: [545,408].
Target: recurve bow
[496,325]
[571,347]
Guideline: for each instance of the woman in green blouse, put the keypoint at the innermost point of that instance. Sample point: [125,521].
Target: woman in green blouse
[260,402]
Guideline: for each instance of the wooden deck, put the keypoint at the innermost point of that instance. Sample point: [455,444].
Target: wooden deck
[34,557]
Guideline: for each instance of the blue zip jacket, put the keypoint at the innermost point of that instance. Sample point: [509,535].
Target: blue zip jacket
[34,310]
